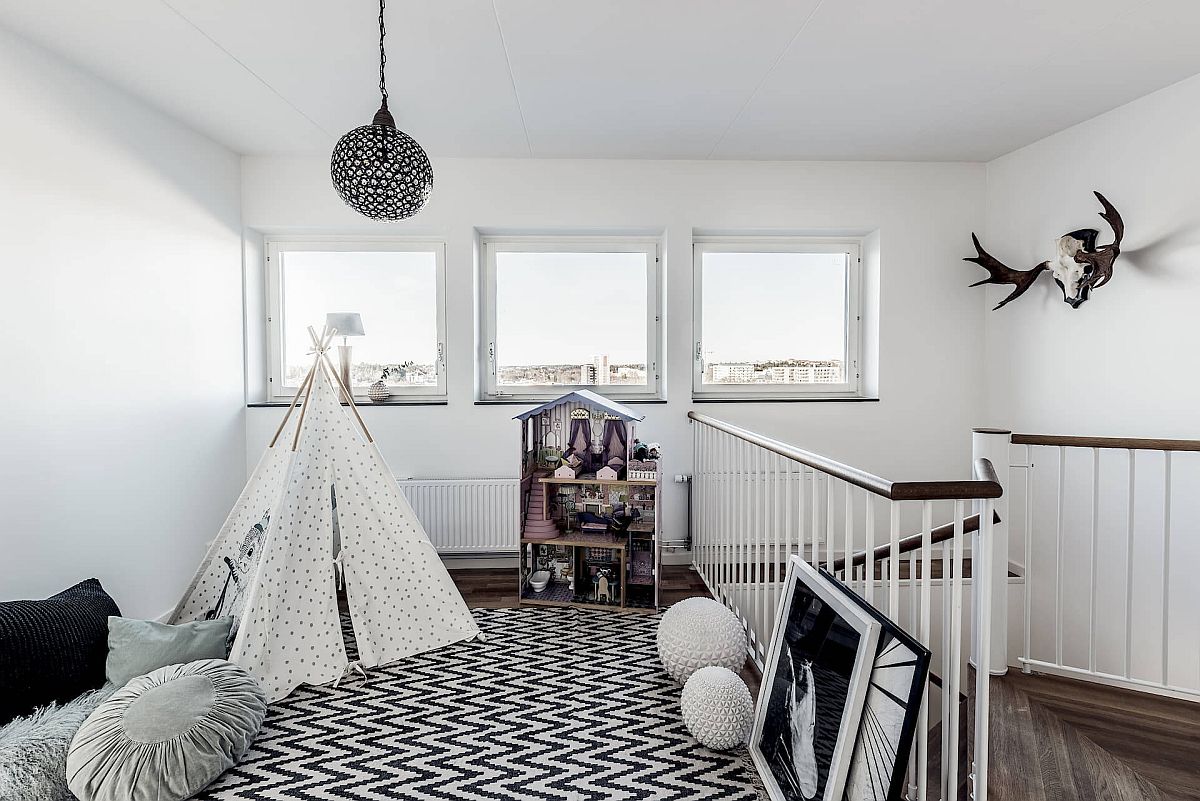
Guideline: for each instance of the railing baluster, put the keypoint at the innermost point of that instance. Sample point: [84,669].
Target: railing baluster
[709,523]
[697,497]
[1094,559]
[755,553]
[948,735]
[744,558]
[829,515]
[764,526]
[816,536]
[913,614]
[1166,569]
[740,565]
[981,579]
[700,498]
[848,552]
[787,517]
[716,513]
[1058,587]
[801,514]
[924,637]
[768,587]
[726,558]
[1028,586]
[1129,565]
[776,529]
[869,562]
[780,521]
[956,646]
[894,562]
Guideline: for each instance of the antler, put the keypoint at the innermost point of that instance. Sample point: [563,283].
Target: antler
[999,273]
[1102,258]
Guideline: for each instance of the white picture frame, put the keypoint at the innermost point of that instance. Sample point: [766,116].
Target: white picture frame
[835,642]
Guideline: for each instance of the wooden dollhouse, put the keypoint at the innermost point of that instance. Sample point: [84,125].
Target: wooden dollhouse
[589,527]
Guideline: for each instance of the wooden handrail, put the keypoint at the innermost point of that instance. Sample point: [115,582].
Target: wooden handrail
[912,542]
[892,490]
[1120,443]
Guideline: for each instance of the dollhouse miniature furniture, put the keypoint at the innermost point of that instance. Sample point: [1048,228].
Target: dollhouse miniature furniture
[539,580]
[717,708]
[585,519]
[566,470]
[607,473]
[538,527]
[698,632]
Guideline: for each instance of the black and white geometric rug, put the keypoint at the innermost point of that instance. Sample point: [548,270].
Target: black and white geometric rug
[553,704]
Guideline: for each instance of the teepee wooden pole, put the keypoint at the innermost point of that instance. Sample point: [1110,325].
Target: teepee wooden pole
[333,374]
[301,390]
[319,344]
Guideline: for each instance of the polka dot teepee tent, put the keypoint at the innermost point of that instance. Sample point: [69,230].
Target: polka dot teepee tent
[320,510]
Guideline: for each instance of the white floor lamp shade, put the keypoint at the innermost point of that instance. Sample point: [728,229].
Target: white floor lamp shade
[347,324]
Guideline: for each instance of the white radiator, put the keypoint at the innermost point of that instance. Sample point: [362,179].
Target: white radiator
[467,516]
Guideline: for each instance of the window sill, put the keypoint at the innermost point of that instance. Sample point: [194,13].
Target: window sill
[802,399]
[545,399]
[361,402]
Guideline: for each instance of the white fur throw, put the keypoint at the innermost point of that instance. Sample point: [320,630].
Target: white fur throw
[33,749]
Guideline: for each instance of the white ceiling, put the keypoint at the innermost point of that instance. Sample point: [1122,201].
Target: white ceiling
[729,79]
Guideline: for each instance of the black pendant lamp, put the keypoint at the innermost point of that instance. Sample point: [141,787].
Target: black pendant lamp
[379,171]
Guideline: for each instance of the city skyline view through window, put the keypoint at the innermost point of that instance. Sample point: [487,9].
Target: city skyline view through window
[571,318]
[773,317]
[394,291]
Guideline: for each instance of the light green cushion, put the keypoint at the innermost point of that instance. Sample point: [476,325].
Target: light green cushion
[136,647]
[165,736]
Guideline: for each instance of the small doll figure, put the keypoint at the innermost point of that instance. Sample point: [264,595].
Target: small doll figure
[602,588]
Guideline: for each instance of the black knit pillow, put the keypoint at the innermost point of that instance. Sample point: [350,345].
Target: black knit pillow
[53,650]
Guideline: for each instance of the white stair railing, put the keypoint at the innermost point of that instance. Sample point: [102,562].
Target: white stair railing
[1109,551]
[757,501]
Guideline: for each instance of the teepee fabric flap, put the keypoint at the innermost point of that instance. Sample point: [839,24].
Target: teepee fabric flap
[401,597]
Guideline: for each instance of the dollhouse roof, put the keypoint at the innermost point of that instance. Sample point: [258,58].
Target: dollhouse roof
[588,398]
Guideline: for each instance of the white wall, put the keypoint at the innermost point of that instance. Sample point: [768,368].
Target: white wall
[930,329]
[122,433]
[1125,362]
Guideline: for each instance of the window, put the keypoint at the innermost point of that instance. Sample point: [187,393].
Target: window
[397,287]
[776,318]
[566,313]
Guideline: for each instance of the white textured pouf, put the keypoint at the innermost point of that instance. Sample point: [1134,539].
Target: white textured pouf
[699,632]
[717,708]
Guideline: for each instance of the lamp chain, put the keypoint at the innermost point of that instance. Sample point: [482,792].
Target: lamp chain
[382,56]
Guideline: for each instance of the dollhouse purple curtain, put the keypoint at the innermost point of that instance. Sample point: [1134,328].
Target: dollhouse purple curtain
[581,441]
[613,441]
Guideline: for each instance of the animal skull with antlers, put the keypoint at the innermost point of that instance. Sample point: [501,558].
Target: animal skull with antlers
[1079,267]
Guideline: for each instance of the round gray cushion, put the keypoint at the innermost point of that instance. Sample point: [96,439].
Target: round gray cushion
[166,735]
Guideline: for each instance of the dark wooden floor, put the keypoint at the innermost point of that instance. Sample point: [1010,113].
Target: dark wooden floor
[496,588]
[1062,740]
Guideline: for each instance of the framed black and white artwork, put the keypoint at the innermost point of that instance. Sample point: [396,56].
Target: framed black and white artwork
[813,689]
[889,720]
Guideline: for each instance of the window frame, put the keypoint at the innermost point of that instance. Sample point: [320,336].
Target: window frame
[491,245]
[851,246]
[277,388]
